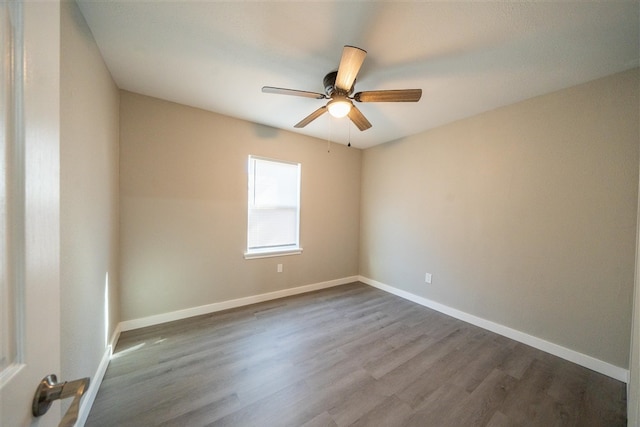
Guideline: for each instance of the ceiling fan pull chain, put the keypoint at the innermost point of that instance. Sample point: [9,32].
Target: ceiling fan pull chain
[349,125]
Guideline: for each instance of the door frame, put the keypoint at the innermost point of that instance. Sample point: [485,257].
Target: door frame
[38,137]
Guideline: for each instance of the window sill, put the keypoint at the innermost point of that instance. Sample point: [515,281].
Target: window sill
[272,253]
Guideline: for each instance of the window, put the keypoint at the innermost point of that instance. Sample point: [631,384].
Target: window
[273,217]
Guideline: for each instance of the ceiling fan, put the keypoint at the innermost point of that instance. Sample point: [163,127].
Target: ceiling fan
[338,87]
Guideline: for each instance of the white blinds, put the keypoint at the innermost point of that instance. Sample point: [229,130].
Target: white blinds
[273,204]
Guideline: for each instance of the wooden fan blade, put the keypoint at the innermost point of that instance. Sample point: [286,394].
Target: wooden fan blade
[402,95]
[311,117]
[352,59]
[293,92]
[359,119]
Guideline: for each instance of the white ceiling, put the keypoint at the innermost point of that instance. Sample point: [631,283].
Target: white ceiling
[466,57]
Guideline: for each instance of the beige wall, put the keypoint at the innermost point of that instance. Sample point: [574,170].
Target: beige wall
[525,216]
[184,200]
[89,198]
[633,396]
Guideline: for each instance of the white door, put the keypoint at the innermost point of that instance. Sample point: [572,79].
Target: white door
[29,207]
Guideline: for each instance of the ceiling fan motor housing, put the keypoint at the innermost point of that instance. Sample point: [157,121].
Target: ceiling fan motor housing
[330,84]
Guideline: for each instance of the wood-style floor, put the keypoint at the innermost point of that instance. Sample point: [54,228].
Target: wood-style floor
[346,356]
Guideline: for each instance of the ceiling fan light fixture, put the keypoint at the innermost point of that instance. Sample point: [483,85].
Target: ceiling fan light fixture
[339,107]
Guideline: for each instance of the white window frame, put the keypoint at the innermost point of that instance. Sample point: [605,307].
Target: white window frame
[277,250]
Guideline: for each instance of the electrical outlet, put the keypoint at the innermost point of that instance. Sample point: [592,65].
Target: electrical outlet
[279,269]
[427,278]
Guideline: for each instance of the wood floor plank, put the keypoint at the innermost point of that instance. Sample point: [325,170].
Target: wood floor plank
[271,410]
[345,356]
[392,412]
[379,366]
[489,355]
[500,420]
[354,405]
[441,373]
[480,406]
[437,408]
[194,413]
[518,360]
[530,401]
[322,420]
[604,403]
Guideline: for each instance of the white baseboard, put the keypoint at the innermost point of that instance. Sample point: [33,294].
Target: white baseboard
[91,393]
[589,362]
[128,325]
